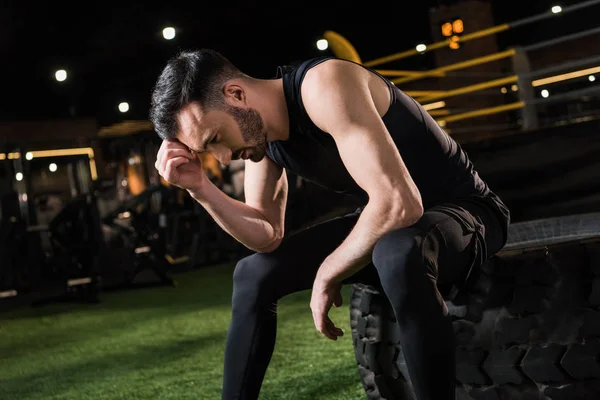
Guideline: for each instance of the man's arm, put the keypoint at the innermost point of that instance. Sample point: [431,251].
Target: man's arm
[266,190]
[338,99]
[259,222]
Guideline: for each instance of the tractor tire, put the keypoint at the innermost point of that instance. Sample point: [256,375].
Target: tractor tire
[527,328]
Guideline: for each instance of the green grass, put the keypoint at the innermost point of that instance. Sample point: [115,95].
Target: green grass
[165,343]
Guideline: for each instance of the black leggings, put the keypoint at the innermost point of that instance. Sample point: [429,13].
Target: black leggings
[408,264]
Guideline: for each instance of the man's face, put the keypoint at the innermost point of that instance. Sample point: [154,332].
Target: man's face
[228,134]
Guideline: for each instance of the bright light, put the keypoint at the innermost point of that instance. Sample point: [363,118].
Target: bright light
[19,176]
[29,155]
[458,26]
[421,48]
[124,107]
[545,93]
[454,45]
[169,33]
[322,44]
[592,78]
[60,75]
[556,9]
[52,167]
[514,88]
[447,29]
[503,90]
[434,106]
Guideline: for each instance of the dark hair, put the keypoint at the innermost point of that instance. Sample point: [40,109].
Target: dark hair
[191,76]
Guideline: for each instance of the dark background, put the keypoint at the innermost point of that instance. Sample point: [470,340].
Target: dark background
[114,50]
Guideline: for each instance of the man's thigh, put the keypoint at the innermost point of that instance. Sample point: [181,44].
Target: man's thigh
[452,242]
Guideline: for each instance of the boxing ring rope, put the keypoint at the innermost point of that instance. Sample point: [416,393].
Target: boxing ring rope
[521,78]
[574,94]
[439,45]
[514,79]
[456,66]
[479,34]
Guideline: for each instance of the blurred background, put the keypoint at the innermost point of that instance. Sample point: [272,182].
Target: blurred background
[84,212]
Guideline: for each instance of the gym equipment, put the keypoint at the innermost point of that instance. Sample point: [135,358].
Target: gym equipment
[77,250]
[527,327]
[66,270]
[186,234]
[12,246]
[139,223]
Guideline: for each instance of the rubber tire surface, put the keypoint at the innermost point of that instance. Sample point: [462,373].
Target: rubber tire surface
[528,328]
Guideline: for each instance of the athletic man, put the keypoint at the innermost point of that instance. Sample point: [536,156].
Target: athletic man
[426,216]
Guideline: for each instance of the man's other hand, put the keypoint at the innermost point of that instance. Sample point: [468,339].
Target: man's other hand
[325,295]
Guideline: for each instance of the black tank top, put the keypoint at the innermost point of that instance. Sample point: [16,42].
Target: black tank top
[437,164]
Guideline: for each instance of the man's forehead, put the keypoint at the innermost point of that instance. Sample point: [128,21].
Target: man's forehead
[190,114]
[192,122]
[195,128]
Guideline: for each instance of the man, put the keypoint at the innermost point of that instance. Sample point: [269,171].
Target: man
[426,217]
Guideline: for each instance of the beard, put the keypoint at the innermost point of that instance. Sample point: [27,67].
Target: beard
[253,132]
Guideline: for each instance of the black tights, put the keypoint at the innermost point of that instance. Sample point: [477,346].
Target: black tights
[408,264]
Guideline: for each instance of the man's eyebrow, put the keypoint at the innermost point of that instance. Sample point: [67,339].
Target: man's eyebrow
[203,146]
[205,141]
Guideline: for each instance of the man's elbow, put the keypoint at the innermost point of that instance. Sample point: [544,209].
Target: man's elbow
[405,213]
[270,247]
[412,217]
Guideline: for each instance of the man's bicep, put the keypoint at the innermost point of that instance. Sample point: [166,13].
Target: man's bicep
[266,189]
[340,103]
[373,161]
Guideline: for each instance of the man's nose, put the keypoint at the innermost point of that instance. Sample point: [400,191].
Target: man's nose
[224,156]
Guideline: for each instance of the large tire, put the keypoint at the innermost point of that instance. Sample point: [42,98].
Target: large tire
[529,328]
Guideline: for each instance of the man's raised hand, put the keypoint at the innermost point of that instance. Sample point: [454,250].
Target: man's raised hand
[180,167]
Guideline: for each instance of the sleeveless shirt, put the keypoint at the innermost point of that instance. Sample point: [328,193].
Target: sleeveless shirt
[437,164]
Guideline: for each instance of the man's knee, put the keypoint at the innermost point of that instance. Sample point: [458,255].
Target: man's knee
[403,258]
[405,269]
[254,270]
[253,277]
[398,255]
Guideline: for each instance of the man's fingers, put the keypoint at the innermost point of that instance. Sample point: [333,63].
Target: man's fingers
[336,331]
[338,299]
[178,152]
[320,305]
[166,151]
[333,329]
[322,326]
[173,144]
[328,328]
[166,144]
[171,167]
[328,334]
[169,154]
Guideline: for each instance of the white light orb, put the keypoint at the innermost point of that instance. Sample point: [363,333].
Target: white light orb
[169,33]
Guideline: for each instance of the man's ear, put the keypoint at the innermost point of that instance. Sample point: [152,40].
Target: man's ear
[235,95]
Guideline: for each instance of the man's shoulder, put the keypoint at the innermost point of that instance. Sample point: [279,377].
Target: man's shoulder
[332,71]
[299,70]
[331,74]
[308,63]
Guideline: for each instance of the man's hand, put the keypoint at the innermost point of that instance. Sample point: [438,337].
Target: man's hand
[324,295]
[179,166]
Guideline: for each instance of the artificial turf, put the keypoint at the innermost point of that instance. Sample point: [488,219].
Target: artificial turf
[166,343]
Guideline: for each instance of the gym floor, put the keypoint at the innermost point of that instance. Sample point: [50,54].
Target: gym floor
[166,343]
